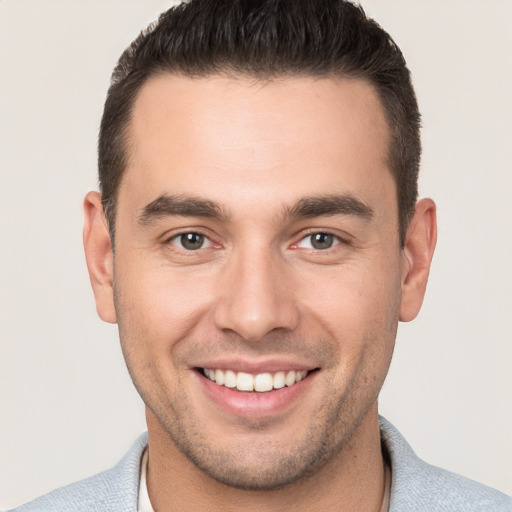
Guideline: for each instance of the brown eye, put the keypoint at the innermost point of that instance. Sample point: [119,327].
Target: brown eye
[190,241]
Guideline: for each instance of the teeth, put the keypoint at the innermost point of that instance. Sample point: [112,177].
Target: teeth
[290,378]
[299,376]
[261,382]
[219,377]
[244,382]
[279,381]
[229,379]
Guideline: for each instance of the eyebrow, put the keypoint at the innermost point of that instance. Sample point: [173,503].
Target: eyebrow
[180,205]
[307,207]
[321,206]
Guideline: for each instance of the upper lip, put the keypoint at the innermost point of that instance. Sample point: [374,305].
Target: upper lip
[255,367]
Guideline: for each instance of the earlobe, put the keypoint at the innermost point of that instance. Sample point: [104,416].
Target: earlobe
[417,255]
[99,256]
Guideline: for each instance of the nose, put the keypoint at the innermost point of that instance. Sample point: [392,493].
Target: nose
[256,296]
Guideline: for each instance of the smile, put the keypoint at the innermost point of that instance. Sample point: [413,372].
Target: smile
[260,382]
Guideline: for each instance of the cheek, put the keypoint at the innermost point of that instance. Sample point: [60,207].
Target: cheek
[360,316]
[157,306]
[358,305]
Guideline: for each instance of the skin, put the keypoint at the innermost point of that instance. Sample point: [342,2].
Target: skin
[257,291]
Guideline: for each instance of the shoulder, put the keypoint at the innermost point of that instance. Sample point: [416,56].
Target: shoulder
[114,489]
[419,486]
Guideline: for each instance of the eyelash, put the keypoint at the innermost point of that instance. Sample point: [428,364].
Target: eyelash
[336,240]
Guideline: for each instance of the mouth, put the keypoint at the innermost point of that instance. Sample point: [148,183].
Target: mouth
[257,390]
[260,382]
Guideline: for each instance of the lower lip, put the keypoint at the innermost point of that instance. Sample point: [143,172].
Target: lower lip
[255,404]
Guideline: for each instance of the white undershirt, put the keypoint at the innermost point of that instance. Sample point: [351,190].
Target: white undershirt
[145,503]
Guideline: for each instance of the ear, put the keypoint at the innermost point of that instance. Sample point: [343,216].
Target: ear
[419,246]
[99,256]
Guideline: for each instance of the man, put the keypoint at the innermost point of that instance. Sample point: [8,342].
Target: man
[257,240]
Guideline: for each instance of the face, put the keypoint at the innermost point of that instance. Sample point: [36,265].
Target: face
[257,275]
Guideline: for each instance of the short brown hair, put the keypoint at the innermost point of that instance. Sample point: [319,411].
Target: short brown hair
[266,39]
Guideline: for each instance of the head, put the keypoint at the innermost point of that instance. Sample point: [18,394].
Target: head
[262,41]
[258,164]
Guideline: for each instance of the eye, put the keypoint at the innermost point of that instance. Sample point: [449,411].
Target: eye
[191,241]
[319,241]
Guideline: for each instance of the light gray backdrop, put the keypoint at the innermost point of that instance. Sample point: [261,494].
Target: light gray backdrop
[67,406]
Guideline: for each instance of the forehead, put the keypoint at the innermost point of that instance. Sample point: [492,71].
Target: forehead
[231,138]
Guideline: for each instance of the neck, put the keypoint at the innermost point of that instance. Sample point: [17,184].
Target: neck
[352,480]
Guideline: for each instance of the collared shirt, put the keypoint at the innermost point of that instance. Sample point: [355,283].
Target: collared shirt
[415,485]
